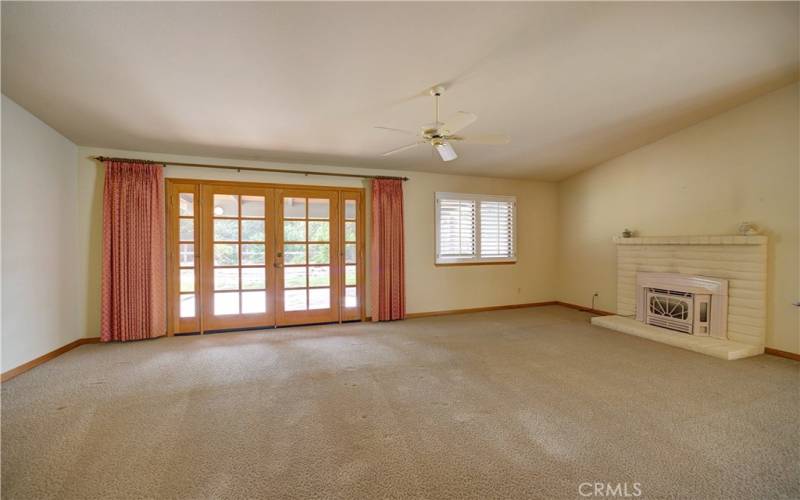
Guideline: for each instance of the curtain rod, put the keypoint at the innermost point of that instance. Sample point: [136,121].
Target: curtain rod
[252,169]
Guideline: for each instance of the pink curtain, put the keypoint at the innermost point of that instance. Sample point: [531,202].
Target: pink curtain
[134,301]
[388,293]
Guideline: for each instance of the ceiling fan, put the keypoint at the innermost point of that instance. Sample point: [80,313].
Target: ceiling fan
[439,134]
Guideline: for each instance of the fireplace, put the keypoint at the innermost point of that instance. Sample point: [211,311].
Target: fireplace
[695,305]
[680,311]
[674,274]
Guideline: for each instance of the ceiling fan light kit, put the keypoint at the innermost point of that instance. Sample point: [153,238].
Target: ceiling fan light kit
[439,133]
[446,151]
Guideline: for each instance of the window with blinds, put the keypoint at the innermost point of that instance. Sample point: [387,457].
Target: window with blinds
[474,228]
[497,229]
[457,229]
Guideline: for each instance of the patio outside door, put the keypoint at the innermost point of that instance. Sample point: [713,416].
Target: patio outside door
[237,264]
[307,258]
[245,255]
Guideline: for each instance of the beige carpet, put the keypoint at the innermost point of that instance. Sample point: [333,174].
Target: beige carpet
[526,403]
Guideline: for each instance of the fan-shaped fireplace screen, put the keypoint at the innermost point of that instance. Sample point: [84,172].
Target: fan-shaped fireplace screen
[670,309]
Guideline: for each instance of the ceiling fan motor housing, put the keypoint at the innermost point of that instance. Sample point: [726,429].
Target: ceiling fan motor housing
[430,133]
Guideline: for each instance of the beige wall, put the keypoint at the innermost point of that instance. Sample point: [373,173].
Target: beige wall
[740,165]
[39,248]
[428,288]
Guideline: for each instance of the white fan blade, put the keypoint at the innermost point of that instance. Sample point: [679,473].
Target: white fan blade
[403,148]
[457,122]
[482,139]
[397,130]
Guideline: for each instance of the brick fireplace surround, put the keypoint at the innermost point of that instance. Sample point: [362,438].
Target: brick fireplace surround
[742,260]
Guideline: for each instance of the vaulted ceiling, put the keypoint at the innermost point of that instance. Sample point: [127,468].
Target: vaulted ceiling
[573,84]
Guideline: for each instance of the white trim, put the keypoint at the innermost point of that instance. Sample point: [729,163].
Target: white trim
[477,198]
[482,260]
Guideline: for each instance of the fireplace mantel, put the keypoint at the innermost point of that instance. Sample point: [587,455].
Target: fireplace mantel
[692,240]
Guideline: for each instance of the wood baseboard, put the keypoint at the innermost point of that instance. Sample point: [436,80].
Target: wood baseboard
[598,312]
[783,354]
[449,312]
[6,376]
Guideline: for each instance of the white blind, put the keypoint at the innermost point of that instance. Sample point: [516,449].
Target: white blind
[497,229]
[457,234]
[475,228]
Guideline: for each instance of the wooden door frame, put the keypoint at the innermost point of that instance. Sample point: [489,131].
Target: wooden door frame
[174,322]
[361,256]
[177,185]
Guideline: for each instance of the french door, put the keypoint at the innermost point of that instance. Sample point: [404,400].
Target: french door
[308,247]
[260,255]
[234,253]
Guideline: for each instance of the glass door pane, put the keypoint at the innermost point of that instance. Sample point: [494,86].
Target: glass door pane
[307,239]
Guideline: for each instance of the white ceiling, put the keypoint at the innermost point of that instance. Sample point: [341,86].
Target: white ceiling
[573,84]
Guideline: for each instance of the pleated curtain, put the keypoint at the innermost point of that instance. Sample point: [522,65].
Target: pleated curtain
[387,277]
[133,279]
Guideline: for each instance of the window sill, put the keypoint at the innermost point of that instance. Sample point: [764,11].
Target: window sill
[486,263]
